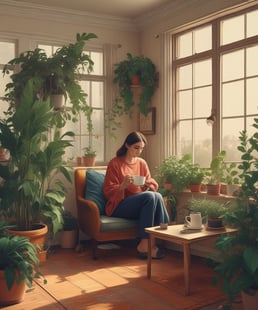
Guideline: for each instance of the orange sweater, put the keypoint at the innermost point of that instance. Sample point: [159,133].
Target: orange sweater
[116,171]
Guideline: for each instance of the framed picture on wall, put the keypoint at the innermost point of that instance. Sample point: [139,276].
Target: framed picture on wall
[147,123]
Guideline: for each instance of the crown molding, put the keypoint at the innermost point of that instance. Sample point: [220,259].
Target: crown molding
[40,12]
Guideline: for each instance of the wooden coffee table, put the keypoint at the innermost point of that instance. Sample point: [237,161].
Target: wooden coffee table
[175,234]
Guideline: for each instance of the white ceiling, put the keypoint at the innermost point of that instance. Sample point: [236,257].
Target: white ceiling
[120,8]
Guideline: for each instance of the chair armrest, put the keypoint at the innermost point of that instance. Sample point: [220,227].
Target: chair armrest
[88,216]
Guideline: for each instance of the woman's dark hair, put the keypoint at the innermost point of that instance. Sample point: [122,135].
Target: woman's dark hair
[132,138]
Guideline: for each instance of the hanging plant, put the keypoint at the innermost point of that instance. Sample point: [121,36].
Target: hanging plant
[143,69]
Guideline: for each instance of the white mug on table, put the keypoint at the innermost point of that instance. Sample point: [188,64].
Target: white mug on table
[194,220]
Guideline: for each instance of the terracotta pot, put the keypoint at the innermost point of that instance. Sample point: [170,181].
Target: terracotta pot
[79,161]
[167,186]
[68,239]
[250,302]
[135,81]
[36,236]
[213,189]
[89,161]
[195,188]
[13,296]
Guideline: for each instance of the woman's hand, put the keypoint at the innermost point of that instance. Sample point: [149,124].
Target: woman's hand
[128,179]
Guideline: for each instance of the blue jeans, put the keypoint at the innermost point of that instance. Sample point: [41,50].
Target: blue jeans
[146,207]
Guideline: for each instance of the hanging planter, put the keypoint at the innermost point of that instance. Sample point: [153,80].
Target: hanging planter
[140,71]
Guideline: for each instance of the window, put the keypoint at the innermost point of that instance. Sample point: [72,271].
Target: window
[215,71]
[93,85]
[7,52]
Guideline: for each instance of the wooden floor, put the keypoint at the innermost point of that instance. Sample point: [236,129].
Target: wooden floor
[117,281]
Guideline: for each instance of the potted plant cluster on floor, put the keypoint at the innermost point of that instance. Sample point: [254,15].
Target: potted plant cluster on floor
[19,265]
[238,270]
[31,191]
[144,71]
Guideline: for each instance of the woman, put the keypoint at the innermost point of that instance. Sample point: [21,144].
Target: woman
[127,200]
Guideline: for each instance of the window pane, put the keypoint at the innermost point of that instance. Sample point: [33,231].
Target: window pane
[97,95]
[251,60]
[185,104]
[97,57]
[202,39]
[252,96]
[7,52]
[233,99]
[202,101]
[185,77]
[232,65]
[184,45]
[232,29]
[202,73]
[202,143]
[185,140]
[230,134]
[252,23]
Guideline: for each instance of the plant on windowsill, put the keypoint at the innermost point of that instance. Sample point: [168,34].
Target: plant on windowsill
[89,156]
[172,173]
[238,253]
[231,179]
[144,70]
[55,75]
[215,173]
[195,177]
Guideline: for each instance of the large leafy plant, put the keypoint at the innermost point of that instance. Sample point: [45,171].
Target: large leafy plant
[238,269]
[31,189]
[56,74]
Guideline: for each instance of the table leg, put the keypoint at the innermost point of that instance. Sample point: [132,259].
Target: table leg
[187,267]
[149,257]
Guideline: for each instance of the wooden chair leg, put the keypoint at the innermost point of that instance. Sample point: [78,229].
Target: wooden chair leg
[94,249]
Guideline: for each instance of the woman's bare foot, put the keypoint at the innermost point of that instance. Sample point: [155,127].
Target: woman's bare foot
[142,248]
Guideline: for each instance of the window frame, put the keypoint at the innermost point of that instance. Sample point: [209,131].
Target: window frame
[215,53]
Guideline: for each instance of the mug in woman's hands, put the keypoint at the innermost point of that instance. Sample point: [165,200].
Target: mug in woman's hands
[139,180]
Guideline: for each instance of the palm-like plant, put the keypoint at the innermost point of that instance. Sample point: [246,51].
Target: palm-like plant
[31,190]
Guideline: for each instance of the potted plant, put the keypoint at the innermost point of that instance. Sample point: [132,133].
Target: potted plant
[32,193]
[237,269]
[195,177]
[89,156]
[211,211]
[19,265]
[69,234]
[172,173]
[143,69]
[214,175]
[54,75]
[231,178]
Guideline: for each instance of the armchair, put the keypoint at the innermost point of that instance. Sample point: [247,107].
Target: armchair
[91,211]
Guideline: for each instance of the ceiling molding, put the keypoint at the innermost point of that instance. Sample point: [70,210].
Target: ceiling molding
[14,8]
